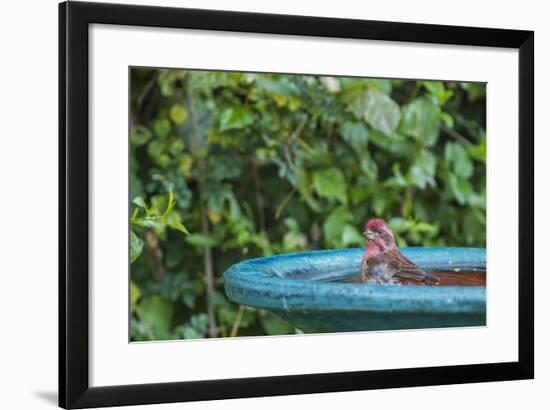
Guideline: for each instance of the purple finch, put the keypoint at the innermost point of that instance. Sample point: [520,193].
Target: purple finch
[383,262]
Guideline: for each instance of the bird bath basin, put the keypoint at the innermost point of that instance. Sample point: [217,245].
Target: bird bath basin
[311,291]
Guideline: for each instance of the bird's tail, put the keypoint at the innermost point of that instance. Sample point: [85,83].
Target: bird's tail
[431,279]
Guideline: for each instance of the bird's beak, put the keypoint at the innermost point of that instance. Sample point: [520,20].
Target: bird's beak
[369,234]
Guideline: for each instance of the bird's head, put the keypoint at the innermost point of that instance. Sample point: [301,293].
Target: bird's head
[379,235]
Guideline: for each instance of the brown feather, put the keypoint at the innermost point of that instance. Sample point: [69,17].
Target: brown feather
[403,266]
[396,267]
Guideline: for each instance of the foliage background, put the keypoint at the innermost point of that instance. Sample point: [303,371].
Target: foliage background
[228,166]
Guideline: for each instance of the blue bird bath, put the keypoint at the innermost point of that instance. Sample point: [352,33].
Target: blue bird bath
[308,291]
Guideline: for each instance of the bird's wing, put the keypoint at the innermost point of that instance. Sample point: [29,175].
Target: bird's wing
[364,268]
[404,268]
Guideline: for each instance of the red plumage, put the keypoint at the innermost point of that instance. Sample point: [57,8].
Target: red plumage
[383,262]
[375,224]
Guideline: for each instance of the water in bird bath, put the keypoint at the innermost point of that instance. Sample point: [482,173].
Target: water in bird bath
[476,277]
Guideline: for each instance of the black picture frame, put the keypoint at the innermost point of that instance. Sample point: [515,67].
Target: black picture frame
[74,20]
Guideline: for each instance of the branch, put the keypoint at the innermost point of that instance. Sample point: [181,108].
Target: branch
[237,323]
[457,136]
[259,198]
[298,129]
[409,194]
[244,185]
[156,253]
[209,278]
[205,225]
[145,92]
[284,202]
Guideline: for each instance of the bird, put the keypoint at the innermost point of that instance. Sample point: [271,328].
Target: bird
[383,262]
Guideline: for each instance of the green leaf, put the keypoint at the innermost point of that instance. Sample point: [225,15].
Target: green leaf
[292,224]
[134,295]
[356,135]
[425,227]
[170,205]
[178,114]
[478,200]
[274,86]
[422,171]
[223,167]
[447,119]
[475,91]
[176,147]
[136,246]
[379,204]
[400,225]
[421,120]
[434,87]
[396,144]
[273,325]
[381,112]
[236,118]
[155,148]
[189,300]
[456,155]
[196,327]
[369,166]
[376,108]
[150,223]
[140,135]
[139,202]
[156,312]
[479,151]
[218,298]
[178,226]
[155,221]
[293,240]
[437,89]
[351,236]
[304,187]
[460,188]
[382,85]
[162,127]
[330,183]
[200,239]
[333,227]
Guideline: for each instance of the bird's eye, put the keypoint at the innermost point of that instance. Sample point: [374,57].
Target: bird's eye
[379,231]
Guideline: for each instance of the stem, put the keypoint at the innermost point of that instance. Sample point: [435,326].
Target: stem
[205,225]
[299,129]
[148,87]
[456,135]
[283,203]
[259,198]
[152,241]
[237,323]
[244,185]
[409,193]
[209,279]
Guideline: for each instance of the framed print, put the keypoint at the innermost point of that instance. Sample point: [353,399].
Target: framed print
[255,204]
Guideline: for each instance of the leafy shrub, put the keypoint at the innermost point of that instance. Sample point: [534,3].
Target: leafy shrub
[228,166]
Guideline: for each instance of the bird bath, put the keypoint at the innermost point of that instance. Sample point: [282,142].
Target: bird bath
[313,292]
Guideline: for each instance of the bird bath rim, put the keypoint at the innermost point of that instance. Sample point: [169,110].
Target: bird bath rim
[305,282]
